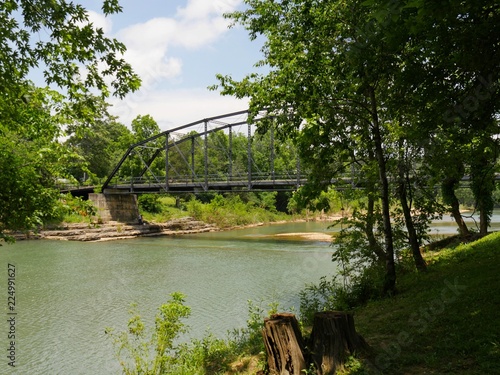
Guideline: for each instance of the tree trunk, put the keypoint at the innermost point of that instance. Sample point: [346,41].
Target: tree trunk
[334,336]
[410,227]
[448,188]
[370,223]
[284,345]
[412,233]
[390,267]
[484,222]
[483,181]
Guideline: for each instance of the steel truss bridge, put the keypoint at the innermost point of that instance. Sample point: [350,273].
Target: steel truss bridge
[222,153]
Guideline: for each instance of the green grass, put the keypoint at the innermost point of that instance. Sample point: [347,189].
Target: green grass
[446,321]
[223,212]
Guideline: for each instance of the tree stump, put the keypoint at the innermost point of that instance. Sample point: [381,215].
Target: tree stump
[284,345]
[332,337]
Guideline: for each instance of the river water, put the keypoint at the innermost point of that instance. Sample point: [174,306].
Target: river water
[68,293]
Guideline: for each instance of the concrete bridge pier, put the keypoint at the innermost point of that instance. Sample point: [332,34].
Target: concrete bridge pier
[116,207]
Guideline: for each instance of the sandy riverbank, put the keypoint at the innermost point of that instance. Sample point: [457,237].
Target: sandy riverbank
[307,236]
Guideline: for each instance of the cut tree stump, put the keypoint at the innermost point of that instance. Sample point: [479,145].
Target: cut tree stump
[334,336]
[284,345]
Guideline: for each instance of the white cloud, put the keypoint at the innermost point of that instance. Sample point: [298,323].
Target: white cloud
[150,47]
[202,22]
[147,47]
[199,9]
[100,21]
[148,44]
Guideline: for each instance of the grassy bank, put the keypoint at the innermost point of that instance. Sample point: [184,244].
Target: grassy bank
[446,321]
[225,212]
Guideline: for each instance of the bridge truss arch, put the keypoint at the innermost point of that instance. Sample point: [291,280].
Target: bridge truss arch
[221,153]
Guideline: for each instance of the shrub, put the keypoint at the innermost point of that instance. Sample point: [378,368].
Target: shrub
[248,340]
[72,209]
[211,354]
[154,352]
[136,345]
[150,203]
[195,209]
[336,295]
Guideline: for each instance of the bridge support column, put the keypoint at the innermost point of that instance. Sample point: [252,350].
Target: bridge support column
[116,207]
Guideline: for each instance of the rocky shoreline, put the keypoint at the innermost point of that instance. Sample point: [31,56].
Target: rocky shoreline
[118,231]
[186,225]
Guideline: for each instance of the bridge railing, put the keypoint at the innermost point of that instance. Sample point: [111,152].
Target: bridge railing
[209,182]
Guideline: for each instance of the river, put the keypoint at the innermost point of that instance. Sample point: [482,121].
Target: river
[68,293]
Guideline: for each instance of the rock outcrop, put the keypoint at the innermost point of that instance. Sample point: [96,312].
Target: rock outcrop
[115,230]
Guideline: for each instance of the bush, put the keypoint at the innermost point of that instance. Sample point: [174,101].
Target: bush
[335,295]
[195,209]
[72,209]
[248,340]
[135,346]
[210,355]
[150,203]
[231,210]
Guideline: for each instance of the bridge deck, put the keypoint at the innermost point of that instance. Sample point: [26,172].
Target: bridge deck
[188,187]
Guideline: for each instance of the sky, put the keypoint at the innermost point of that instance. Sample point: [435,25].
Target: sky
[177,47]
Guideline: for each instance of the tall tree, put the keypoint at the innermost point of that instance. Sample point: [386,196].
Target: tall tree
[386,79]
[328,67]
[75,56]
[100,142]
[144,127]
[30,159]
[451,76]
[144,162]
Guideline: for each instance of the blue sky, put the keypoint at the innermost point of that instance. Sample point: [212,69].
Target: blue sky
[177,47]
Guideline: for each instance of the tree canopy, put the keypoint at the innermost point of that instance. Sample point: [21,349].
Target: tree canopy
[377,85]
[57,39]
